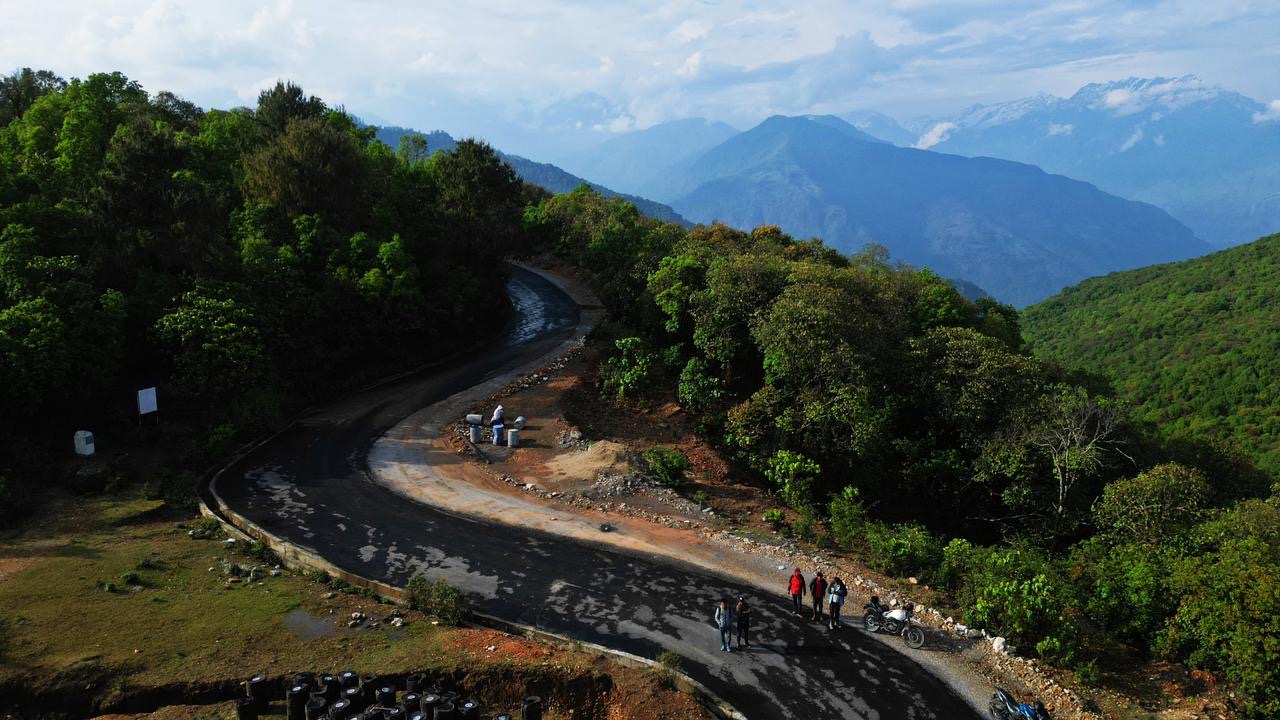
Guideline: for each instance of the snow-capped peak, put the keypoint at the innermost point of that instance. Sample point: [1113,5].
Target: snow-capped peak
[1133,95]
[982,116]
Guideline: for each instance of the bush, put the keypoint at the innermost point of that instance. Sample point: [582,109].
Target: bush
[1161,502]
[1228,617]
[1015,593]
[667,667]
[1088,674]
[260,552]
[667,465]
[848,516]
[795,476]
[437,598]
[630,372]
[130,578]
[775,517]
[903,550]
[697,389]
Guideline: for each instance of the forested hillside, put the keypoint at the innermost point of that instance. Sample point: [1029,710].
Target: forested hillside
[1193,346]
[243,261]
[909,425]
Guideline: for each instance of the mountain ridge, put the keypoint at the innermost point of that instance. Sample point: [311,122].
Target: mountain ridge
[993,222]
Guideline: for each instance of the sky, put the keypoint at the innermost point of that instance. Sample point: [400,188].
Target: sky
[534,77]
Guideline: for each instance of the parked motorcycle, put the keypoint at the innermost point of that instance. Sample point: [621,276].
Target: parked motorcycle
[898,621]
[1004,707]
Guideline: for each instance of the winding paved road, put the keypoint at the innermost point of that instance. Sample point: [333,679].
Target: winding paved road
[310,486]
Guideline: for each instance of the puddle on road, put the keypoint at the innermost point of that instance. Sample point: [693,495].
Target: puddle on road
[309,627]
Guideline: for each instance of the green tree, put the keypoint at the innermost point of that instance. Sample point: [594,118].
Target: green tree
[218,351]
[20,90]
[795,477]
[1155,507]
[311,168]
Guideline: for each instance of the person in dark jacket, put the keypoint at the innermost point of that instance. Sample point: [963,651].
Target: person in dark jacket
[724,622]
[795,587]
[743,611]
[818,594]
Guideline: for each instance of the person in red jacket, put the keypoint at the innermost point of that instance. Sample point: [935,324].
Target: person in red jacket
[795,587]
[818,593]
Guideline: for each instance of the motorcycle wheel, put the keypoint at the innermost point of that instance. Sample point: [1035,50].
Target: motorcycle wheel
[871,621]
[914,637]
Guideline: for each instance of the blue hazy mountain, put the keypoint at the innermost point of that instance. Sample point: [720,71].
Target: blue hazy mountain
[879,125]
[545,175]
[1014,230]
[1208,156]
[641,162]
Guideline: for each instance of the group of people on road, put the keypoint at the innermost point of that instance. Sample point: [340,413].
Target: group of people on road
[821,592]
[729,616]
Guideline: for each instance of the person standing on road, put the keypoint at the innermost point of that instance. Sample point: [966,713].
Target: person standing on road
[817,593]
[499,417]
[724,621]
[743,611]
[796,589]
[836,601]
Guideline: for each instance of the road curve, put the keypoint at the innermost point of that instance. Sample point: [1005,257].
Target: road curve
[310,486]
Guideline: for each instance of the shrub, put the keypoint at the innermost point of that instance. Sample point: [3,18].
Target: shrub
[848,516]
[1161,502]
[437,598]
[667,465]
[697,389]
[1015,593]
[667,667]
[259,551]
[130,578]
[628,373]
[795,476]
[1088,674]
[1228,617]
[903,550]
[775,517]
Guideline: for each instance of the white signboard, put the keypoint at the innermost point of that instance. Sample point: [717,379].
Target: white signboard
[147,401]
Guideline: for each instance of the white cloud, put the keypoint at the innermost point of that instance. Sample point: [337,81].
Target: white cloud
[691,67]
[934,135]
[690,30]
[1270,114]
[1060,129]
[1159,141]
[1134,139]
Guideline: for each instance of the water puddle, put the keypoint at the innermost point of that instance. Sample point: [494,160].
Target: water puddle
[309,627]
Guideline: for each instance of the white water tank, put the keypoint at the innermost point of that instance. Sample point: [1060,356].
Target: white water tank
[84,442]
[475,419]
[513,437]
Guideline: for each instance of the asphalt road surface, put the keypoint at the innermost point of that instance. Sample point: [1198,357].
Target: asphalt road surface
[310,486]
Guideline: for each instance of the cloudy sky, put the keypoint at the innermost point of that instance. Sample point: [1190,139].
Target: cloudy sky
[529,74]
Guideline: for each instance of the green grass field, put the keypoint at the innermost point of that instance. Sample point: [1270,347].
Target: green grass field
[114,596]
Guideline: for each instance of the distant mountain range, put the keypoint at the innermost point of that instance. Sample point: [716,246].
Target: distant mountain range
[545,175]
[1208,156]
[1017,232]
[645,161]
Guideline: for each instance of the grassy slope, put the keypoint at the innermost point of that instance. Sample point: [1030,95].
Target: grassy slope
[1194,345]
[185,623]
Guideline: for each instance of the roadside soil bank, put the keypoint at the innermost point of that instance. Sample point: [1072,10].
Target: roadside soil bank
[119,605]
[577,474]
